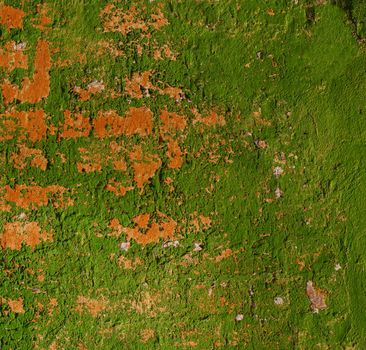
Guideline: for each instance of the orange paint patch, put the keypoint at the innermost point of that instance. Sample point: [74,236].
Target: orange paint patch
[17,233]
[200,222]
[174,154]
[171,122]
[137,121]
[12,56]
[140,86]
[42,21]
[75,125]
[117,188]
[144,234]
[116,19]
[91,162]
[142,220]
[30,125]
[147,334]
[212,119]
[316,297]
[37,89]
[173,92]
[224,255]
[97,156]
[139,83]
[11,17]
[164,51]
[92,88]
[31,197]
[127,263]
[93,306]
[144,166]
[16,305]
[28,157]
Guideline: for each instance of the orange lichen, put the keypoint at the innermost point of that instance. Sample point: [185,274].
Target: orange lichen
[32,197]
[142,220]
[174,154]
[108,47]
[30,125]
[42,19]
[28,156]
[75,125]
[173,92]
[144,234]
[93,306]
[171,122]
[90,162]
[17,233]
[212,119]
[16,305]
[12,56]
[164,50]
[224,255]
[91,89]
[137,121]
[147,334]
[144,166]
[32,90]
[139,82]
[140,86]
[200,221]
[117,188]
[11,17]
[127,263]
[116,19]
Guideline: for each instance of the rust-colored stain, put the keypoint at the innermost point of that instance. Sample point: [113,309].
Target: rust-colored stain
[316,297]
[116,19]
[16,233]
[42,21]
[137,121]
[165,51]
[93,88]
[25,125]
[31,197]
[144,166]
[32,90]
[117,188]
[90,162]
[97,156]
[75,125]
[147,334]
[11,17]
[127,263]
[93,306]
[140,86]
[142,233]
[16,305]
[171,122]
[173,92]
[200,221]
[212,119]
[28,157]
[12,56]
[224,255]
[142,220]
[174,154]
[139,83]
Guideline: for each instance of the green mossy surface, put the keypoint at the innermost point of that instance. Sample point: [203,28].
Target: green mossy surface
[309,83]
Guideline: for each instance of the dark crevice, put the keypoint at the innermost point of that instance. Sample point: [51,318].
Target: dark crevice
[356,16]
